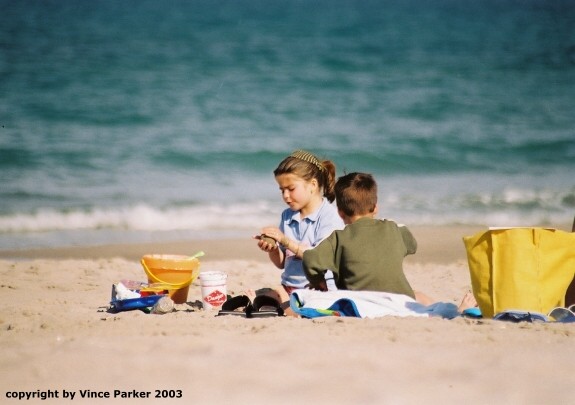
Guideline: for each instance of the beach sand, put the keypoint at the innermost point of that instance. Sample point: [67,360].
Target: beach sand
[57,337]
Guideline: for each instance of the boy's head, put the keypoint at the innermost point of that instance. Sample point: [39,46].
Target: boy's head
[356,194]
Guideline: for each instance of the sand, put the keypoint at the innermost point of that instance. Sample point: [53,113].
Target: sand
[58,338]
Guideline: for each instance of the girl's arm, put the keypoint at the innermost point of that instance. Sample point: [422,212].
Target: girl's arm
[295,246]
[276,255]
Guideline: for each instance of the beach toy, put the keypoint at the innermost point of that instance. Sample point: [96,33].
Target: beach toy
[121,292]
[196,255]
[135,303]
[174,272]
[164,305]
[214,289]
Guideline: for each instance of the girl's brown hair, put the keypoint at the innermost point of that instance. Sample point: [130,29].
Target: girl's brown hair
[307,166]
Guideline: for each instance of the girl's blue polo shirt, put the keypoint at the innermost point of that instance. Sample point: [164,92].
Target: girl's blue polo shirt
[310,231]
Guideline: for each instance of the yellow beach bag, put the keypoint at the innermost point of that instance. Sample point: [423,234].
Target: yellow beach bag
[526,269]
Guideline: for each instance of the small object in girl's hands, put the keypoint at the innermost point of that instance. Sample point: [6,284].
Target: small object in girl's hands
[267,239]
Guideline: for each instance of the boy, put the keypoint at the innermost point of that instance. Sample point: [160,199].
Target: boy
[368,253]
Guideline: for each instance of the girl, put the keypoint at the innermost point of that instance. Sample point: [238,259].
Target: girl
[307,187]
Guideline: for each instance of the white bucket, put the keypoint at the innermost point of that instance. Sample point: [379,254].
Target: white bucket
[214,292]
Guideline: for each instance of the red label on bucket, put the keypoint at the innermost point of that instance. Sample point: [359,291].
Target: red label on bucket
[215,298]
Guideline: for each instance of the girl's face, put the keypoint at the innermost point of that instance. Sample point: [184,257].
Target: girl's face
[296,192]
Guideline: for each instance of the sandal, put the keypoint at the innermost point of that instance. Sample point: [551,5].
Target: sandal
[265,306]
[237,306]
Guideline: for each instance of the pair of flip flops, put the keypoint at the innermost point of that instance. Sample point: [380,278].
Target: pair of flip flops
[263,306]
[559,314]
[512,315]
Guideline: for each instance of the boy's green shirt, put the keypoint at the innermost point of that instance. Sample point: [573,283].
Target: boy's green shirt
[366,255]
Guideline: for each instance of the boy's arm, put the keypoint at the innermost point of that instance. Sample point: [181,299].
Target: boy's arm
[320,286]
[408,240]
[317,261]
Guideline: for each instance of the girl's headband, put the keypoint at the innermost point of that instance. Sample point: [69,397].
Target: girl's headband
[307,157]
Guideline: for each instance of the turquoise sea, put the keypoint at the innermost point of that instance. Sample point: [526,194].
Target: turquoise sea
[141,120]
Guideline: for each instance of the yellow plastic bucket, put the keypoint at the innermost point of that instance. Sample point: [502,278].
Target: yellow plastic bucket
[176,272]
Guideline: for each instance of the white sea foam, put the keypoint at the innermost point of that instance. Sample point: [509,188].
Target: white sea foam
[143,218]
[506,207]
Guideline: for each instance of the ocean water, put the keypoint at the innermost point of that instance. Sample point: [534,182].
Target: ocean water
[141,120]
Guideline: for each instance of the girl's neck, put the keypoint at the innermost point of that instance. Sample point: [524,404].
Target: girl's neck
[312,206]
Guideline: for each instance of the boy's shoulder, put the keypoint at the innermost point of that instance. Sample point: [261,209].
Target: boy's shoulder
[392,222]
[373,222]
[391,226]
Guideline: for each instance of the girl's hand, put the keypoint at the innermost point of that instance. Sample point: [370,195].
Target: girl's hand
[268,240]
[266,243]
[273,233]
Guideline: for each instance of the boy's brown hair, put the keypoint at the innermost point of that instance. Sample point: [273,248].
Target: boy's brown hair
[356,194]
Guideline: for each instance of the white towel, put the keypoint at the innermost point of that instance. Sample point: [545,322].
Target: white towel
[373,304]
